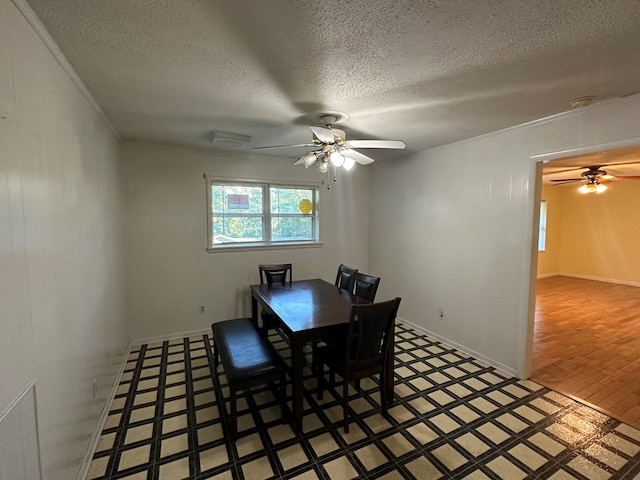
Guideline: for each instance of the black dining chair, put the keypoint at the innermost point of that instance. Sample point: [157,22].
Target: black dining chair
[365,286]
[345,277]
[363,353]
[273,274]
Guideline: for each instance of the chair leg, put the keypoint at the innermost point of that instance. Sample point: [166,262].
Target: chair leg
[215,355]
[314,357]
[383,394]
[345,404]
[283,395]
[320,380]
[233,427]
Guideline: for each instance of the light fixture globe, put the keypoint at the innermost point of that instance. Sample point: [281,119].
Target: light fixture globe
[587,188]
[592,187]
[348,163]
[309,159]
[337,159]
[323,166]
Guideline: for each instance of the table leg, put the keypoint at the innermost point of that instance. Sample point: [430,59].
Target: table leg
[254,309]
[298,388]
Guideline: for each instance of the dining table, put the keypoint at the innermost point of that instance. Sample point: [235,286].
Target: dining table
[308,311]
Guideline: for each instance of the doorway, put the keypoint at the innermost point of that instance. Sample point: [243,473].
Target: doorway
[587,320]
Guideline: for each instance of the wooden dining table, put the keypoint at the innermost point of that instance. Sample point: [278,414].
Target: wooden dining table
[309,310]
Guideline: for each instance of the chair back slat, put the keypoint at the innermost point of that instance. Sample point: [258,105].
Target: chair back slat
[345,277]
[366,286]
[273,273]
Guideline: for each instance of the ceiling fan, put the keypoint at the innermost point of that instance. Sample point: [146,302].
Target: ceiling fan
[331,147]
[595,178]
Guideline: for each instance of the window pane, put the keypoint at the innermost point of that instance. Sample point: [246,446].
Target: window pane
[227,229]
[542,232]
[237,213]
[291,200]
[292,228]
[234,199]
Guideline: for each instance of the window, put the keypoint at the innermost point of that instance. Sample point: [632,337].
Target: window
[542,231]
[252,214]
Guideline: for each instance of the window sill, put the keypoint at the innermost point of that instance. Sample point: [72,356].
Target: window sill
[271,246]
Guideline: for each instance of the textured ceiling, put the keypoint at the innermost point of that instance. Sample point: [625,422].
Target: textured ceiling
[426,72]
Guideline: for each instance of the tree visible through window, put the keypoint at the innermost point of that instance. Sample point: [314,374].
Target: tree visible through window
[244,213]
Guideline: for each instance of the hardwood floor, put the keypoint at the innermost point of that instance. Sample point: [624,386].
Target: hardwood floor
[587,343]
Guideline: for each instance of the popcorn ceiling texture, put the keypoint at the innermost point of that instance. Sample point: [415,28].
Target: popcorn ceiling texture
[426,72]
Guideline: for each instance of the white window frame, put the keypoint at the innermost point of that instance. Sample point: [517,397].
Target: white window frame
[266,186]
[542,229]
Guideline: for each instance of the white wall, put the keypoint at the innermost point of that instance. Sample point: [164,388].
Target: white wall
[170,273]
[452,228]
[594,236]
[62,282]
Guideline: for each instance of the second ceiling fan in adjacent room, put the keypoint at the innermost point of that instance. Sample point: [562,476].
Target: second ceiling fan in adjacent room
[594,177]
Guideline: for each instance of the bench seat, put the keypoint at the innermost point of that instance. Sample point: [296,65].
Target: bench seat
[248,360]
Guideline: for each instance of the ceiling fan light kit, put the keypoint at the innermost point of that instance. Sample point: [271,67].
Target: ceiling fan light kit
[337,159]
[592,187]
[593,184]
[348,163]
[309,159]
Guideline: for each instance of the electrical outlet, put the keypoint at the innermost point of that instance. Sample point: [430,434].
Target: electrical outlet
[441,313]
[201,308]
[94,385]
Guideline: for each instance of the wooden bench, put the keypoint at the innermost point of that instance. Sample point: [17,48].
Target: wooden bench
[248,360]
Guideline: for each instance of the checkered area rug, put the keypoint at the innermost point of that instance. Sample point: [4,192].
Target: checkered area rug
[452,417]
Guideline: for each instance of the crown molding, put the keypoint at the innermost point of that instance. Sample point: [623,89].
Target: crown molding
[42,32]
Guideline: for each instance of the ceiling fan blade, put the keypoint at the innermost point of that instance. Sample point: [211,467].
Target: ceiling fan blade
[553,171]
[567,180]
[626,177]
[308,145]
[323,134]
[559,180]
[357,156]
[397,144]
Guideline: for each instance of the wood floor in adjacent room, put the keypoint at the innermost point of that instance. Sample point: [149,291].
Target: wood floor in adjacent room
[587,343]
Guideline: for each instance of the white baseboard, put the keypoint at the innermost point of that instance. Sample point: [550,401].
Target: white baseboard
[170,336]
[601,279]
[91,449]
[478,356]
[547,275]
[588,277]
